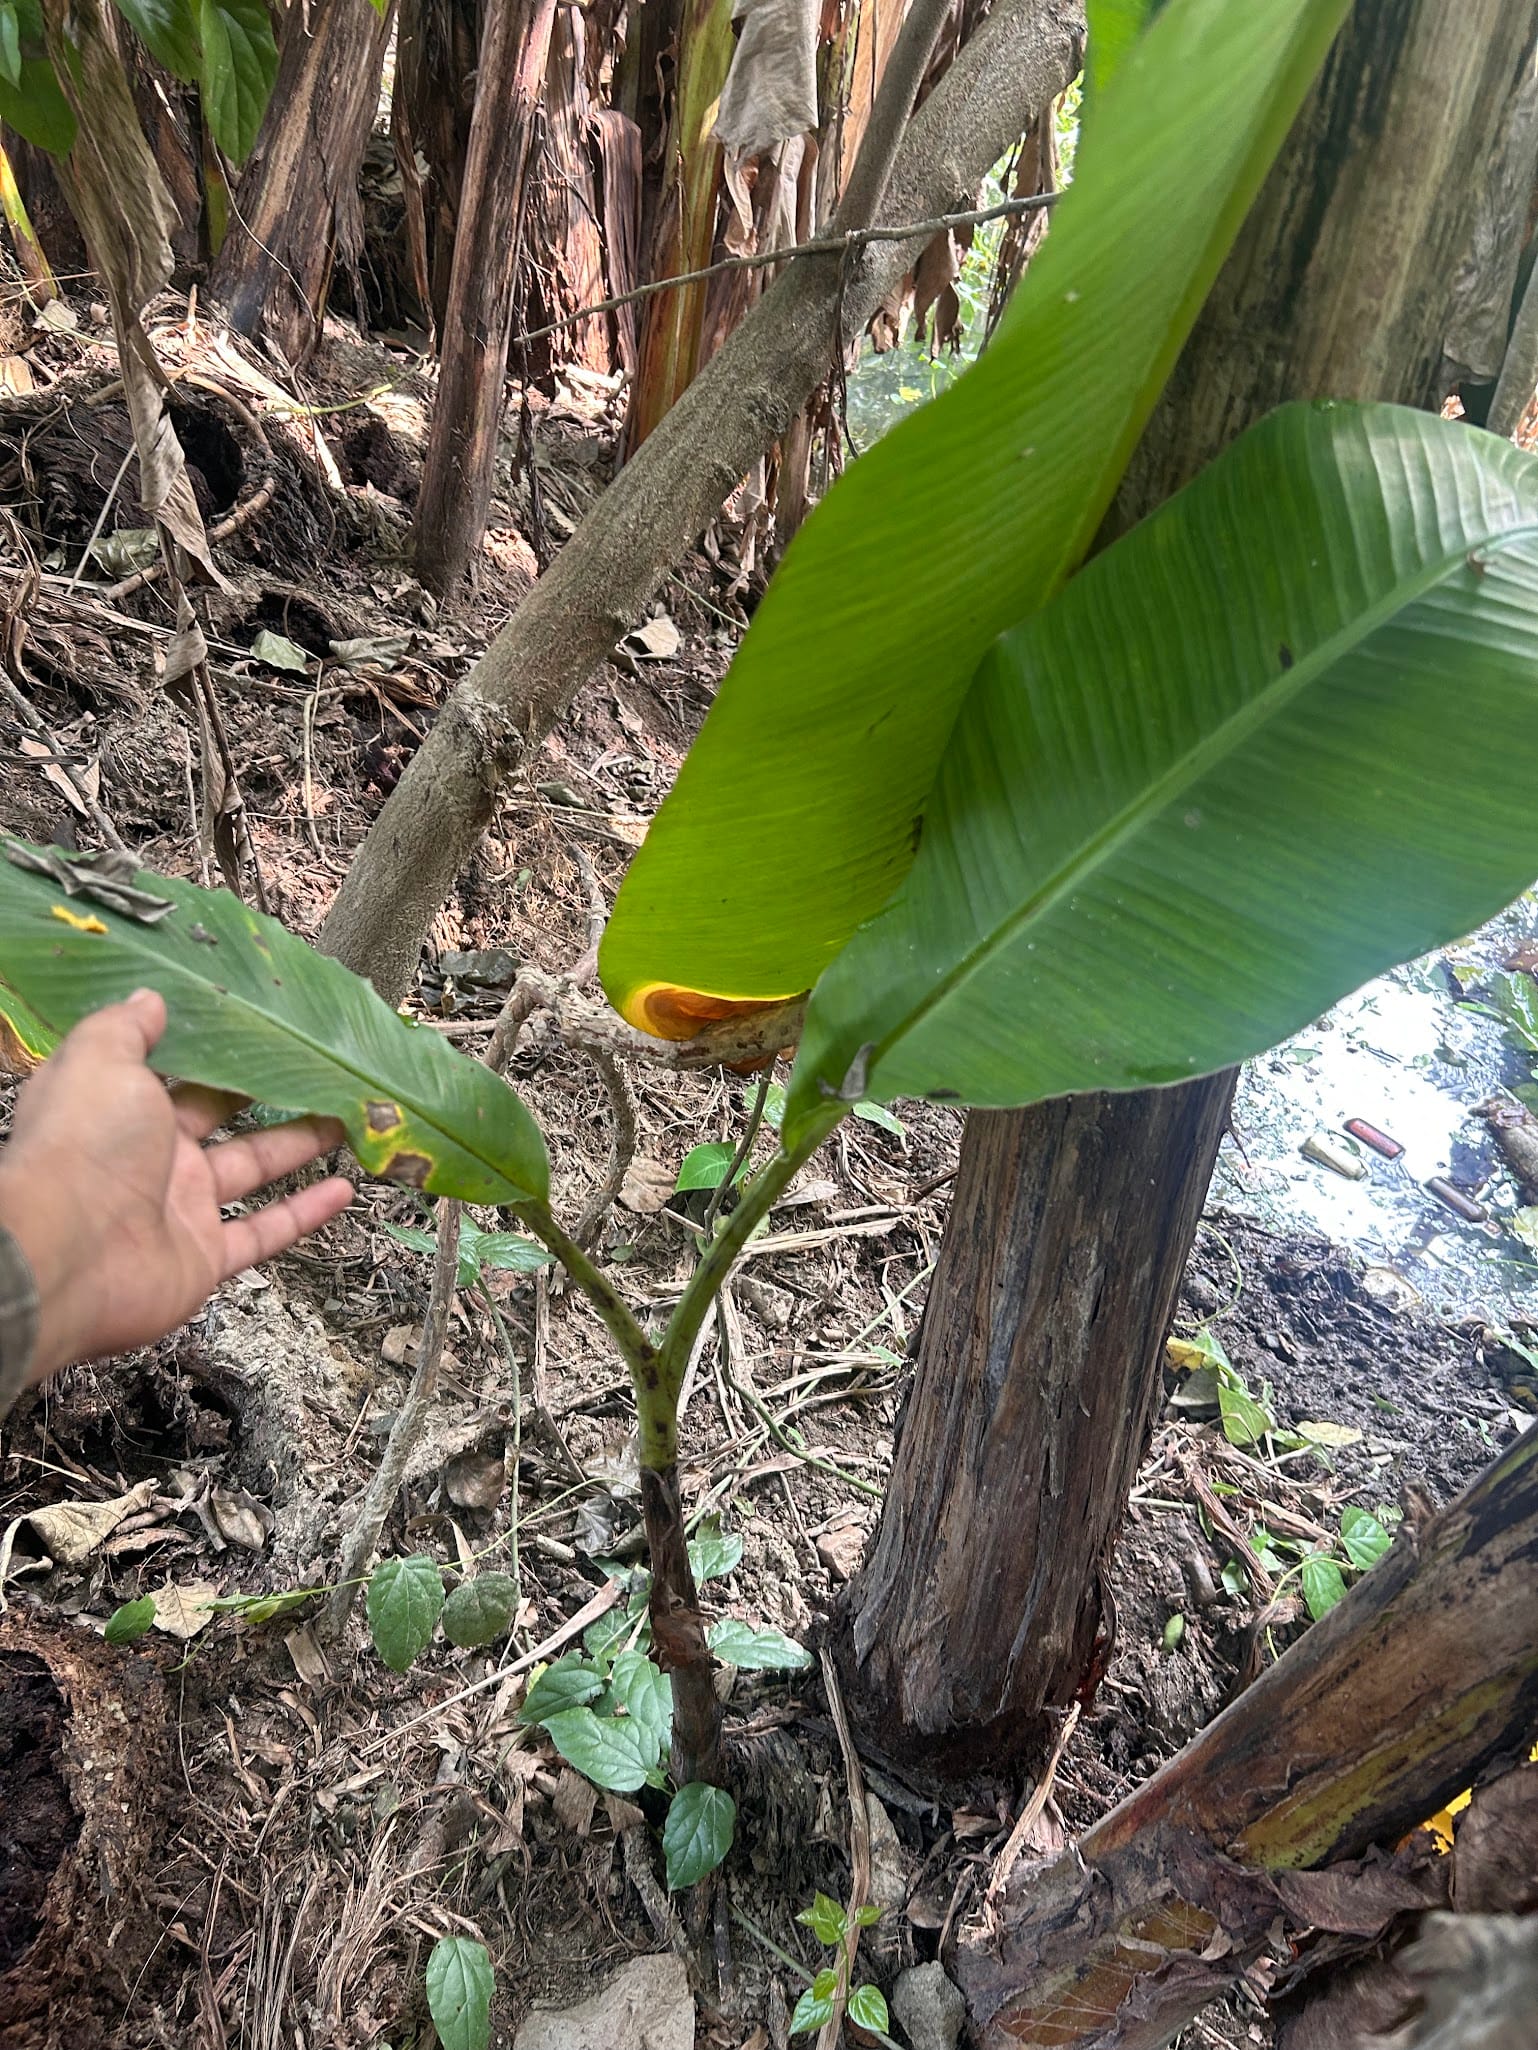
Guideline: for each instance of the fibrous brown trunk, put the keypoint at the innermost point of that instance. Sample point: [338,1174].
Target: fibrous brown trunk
[1039,1359]
[431,109]
[1030,1410]
[1424,1678]
[601,581]
[458,475]
[296,212]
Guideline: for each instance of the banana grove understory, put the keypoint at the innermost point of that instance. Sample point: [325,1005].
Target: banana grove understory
[1163,679]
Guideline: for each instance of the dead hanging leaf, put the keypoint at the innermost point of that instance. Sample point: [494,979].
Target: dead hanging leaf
[182,1611]
[241,1518]
[646,1187]
[71,1531]
[770,92]
[127,217]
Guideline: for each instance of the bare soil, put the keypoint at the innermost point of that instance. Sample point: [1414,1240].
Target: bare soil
[301,1824]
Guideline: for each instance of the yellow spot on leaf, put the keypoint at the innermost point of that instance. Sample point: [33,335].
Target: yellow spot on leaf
[73,919]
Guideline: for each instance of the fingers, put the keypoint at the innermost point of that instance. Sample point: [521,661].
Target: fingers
[241,1166]
[128,1031]
[246,1241]
[200,1112]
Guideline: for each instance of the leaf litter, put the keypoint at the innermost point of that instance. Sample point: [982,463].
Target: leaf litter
[360,1807]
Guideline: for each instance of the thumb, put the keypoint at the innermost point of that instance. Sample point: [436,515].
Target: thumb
[127,1031]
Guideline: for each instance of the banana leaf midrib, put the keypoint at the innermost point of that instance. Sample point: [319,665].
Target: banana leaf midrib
[135,941]
[1093,854]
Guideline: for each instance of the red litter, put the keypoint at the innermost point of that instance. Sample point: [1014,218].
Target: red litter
[1380,1142]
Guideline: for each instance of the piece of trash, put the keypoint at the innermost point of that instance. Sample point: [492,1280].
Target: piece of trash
[657,638]
[1329,1153]
[1380,1142]
[1455,1200]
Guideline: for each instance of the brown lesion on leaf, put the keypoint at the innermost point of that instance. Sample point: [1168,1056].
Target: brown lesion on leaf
[408,1167]
[383,1117]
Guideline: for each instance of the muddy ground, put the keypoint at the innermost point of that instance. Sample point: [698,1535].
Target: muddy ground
[247,1837]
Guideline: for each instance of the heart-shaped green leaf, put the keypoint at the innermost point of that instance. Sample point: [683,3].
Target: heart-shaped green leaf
[480,1609]
[1281,736]
[763,1651]
[170,29]
[460,1983]
[240,65]
[570,1682]
[646,1695]
[698,1832]
[611,1751]
[405,1597]
[253,1009]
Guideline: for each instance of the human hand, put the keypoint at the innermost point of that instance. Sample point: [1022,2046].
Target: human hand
[107,1188]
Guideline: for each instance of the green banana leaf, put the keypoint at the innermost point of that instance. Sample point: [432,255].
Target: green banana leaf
[253,1009]
[796,813]
[1114,26]
[24,1039]
[1279,737]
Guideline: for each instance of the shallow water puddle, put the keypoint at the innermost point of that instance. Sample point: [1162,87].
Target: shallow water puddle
[1408,1056]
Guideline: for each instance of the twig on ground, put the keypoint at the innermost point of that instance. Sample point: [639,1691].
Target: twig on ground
[659,1910]
[859,1853]
[622,1146]
[787,1441]
[307,729]
[1041,1793]
[358,1551]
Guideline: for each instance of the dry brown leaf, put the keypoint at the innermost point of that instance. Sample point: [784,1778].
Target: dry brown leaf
[15,375]
[183,1610]
[657,637]
[127,218]
[71,1531]
[574,1802]
[647,1186]
[475,1480]
[88,775]
[241,1518]
[399,1346]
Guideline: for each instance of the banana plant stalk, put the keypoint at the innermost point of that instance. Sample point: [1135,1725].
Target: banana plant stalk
[657,1372]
